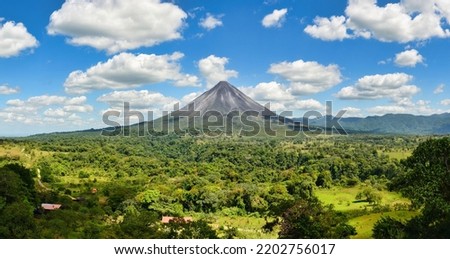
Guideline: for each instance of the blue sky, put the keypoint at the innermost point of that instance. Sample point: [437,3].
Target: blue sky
[64,63]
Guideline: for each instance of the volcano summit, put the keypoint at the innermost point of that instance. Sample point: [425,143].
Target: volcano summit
[225,98]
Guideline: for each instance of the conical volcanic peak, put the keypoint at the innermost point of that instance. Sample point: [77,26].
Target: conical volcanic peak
[224,98]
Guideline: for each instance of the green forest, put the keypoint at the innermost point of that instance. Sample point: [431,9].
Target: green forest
[358,186]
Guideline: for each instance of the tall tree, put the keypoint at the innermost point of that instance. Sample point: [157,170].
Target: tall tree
[309,219]
[426,181]
[16,194]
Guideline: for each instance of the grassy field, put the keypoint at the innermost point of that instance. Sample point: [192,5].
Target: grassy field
[343,199]
[248,227]
[19,153]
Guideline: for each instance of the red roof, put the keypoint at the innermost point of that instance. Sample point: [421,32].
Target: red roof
[48,206]
[167,219]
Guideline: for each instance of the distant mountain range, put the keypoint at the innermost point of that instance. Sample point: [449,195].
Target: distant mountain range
[394,124]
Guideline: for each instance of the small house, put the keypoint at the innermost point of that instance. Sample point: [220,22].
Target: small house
[50,207]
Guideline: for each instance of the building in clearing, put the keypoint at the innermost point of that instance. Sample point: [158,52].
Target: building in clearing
[50,207]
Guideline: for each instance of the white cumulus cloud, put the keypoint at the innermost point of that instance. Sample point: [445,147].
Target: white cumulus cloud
[328,29]
[45,109]
[308,104]
[14,39]
[445,102]
[394,22]
[146,102]
[211,21]
[421,107]
[404,21]
[385,109]
[56,113]
[271,91]
[296,105]
[128,70]
[38,101]
[142,99]
[4,89]
[307,77]
[408,58]
[117,25]
[396,86]
[275,19]
[279,97]
[439,89]
[75,104]
[213,70]
[352,112]
[189,98]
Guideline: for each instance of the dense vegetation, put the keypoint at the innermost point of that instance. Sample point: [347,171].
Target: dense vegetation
[426,181]
[120,187]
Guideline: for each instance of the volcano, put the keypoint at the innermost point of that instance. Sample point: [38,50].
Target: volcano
[225,98]
[227,106]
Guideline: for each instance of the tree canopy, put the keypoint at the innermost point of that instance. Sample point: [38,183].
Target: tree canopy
[426,181]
